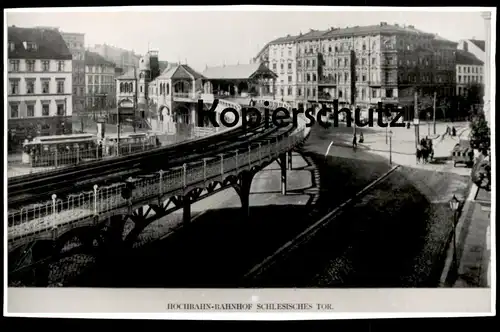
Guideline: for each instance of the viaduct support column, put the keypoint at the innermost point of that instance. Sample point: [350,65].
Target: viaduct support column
[243,190]
[186,210]
[283,165]
[289,161]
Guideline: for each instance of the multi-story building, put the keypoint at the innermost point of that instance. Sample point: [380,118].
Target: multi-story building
[76,45]
[282,61]
[100,83]
[386,63]
[124,59]
[469,71]
[39,83]
[474,46]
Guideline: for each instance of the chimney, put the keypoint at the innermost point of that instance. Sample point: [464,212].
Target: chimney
[411,26]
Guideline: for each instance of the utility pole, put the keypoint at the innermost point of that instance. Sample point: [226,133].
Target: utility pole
[434,112]
[353,88]
[416,121]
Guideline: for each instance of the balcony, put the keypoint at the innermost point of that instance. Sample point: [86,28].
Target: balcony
[185,96]
[327,81]
[389,65]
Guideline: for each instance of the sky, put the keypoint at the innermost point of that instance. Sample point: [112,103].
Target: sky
[212,38]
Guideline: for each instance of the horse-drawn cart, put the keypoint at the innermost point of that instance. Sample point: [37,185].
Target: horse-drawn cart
[462,155]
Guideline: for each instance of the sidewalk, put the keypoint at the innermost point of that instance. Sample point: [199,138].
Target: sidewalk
[473,241]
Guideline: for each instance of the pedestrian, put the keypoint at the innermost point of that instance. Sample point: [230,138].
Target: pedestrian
[354,142]
[361,138]
[453,131]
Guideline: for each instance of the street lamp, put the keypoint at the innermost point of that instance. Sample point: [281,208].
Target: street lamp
[389,119]
[454,205]
[390,147]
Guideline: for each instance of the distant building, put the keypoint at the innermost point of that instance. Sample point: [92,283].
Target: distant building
[76,45]
[470,76]
[39,83]
[99,82]
[124,59]
[476,47]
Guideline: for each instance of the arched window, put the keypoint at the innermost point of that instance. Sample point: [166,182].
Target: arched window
[121,87]
[364,47]
[131,87]
[168,89]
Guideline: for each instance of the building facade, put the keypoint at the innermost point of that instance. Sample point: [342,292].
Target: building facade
[100,82]
[76,45]
[122,58]
[39,84]
[469,74]
[370,64]
[282,57]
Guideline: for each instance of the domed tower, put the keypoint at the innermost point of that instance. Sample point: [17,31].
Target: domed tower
[144,78]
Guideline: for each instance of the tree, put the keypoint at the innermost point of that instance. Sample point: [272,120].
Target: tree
[480,132]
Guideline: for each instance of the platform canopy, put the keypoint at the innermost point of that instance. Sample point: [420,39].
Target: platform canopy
[239,72]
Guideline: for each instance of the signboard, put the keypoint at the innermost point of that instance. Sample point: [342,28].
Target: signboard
[416,121]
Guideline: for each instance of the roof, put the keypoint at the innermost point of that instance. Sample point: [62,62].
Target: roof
[244,71]
[50,44]
[467,58]
[479,43]
[163,65]
[313,34]
[131,74]
[377,29]
[444,40]
[180,71]
[95,59]
[282,40]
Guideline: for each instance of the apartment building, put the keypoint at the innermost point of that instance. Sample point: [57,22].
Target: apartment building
[125,59]
[100,85]
[383,62]
[469,74]
[283,62]
[76,45]
[39,84]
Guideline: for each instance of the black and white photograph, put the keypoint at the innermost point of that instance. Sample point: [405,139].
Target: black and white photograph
[229,148]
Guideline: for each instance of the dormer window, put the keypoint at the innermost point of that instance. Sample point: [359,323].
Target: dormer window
[12,46]
[30,46]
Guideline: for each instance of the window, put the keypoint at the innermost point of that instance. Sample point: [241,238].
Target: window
[14,110]
[30,110]
[314,63]
[45,86]
[60,109]
[30,86]
[12,46]
[289,52]
[14,87]
[314,77]
[346,77]
[274,66]
[60,86]
[364,47]
[290,91]
[60,65]
[282,66]
[373,61]
[364,78]
[289,66]
[45,109]
[30,65]
[363,62]
[374,93]
[314,92]
[459,79]
[14,65]
[308,77]
[340,93]
[289,79]
[329,49]
[388,93]
[345,62]
[30,46]
[282,92]
[299,92]
[96,79]
[82,91]
[468,69]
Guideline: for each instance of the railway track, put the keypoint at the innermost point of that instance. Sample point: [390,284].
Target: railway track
[38,191]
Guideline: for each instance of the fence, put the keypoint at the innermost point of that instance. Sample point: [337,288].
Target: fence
[58,212]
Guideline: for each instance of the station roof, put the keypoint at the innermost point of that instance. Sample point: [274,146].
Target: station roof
[237,72]
[178,71]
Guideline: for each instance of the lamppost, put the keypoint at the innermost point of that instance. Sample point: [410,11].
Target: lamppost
[390,147]
[454,205]
[389,119]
